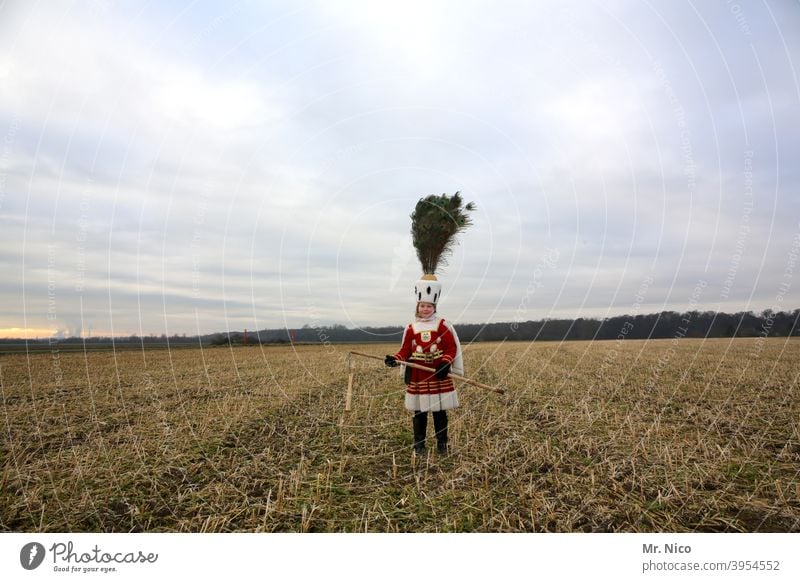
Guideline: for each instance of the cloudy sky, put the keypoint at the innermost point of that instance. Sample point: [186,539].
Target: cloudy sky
[197,166]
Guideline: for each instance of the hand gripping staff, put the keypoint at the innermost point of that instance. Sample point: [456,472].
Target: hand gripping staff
[418,367]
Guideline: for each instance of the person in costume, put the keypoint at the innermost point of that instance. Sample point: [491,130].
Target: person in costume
[430,340]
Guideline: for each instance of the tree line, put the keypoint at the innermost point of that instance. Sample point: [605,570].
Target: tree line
[666,324]
[663,325]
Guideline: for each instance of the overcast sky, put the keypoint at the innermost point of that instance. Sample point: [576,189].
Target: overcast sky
[196,166]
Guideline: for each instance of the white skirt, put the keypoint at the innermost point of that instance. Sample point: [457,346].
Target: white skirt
[432,402]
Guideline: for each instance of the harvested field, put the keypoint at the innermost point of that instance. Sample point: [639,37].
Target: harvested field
[633,436]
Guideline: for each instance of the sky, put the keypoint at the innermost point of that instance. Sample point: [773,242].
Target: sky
[194,167]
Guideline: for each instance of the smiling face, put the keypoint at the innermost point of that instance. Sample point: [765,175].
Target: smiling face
[425,310]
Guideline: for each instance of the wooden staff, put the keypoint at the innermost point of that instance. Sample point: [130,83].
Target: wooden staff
[426,369]
[349,398]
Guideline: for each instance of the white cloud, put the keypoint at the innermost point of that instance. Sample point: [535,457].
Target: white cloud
[595,113]
[412,35]
[196,102]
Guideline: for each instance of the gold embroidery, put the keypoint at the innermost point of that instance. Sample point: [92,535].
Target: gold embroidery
[426,336]
[426,356]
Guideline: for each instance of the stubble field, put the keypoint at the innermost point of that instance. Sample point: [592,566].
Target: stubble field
[634,436]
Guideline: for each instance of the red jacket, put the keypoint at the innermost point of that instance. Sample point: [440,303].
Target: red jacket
[427,345]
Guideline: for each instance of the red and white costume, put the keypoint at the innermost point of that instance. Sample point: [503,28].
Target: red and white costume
[431,343]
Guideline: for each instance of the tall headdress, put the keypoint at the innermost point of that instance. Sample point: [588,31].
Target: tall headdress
[434,224]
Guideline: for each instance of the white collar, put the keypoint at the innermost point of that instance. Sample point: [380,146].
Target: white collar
[428,325]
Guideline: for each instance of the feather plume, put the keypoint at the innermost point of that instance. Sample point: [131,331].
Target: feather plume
[434,224]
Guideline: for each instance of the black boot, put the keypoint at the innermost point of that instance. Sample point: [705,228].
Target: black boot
[420,428]
[440,424]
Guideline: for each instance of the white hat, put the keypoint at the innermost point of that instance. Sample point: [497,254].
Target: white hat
[428,289]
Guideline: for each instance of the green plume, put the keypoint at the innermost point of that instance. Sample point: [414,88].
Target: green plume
[434,224]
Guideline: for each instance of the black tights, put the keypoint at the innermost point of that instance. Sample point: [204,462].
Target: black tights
[421,425]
